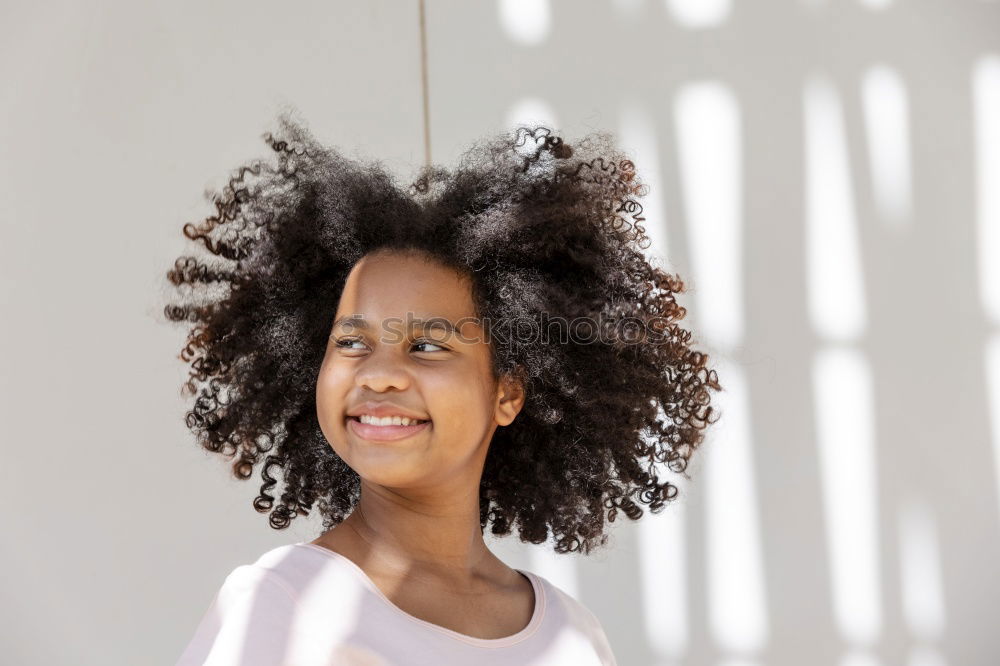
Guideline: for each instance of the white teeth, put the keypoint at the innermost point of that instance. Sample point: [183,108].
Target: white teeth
[388,420]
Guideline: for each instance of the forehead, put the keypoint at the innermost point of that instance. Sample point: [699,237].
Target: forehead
[393,285]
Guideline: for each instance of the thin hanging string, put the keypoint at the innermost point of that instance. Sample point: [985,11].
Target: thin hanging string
[423,80]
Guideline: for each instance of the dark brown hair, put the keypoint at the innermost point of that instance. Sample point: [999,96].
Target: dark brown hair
[540,227]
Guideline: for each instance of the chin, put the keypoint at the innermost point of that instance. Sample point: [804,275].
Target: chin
[382,465]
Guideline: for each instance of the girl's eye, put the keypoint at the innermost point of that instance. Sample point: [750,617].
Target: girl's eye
[421,343]
[345,343]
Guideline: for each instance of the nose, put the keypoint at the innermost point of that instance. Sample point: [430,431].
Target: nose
[382,371]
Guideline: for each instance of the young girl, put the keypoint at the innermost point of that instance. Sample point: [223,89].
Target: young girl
[488,347]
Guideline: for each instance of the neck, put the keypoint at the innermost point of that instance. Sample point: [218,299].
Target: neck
[409,535]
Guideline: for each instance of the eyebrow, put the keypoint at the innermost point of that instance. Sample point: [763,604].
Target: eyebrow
[428,322]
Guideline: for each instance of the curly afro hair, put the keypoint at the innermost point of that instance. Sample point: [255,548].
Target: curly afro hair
[542,229]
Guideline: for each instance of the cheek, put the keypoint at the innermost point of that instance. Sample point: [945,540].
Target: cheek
[462,408]
[331,388]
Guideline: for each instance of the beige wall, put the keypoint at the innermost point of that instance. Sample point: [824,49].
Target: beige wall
[858,416]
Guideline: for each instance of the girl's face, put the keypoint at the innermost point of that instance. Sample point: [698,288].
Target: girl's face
[390,349]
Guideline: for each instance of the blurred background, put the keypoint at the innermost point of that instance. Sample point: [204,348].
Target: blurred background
[825,176]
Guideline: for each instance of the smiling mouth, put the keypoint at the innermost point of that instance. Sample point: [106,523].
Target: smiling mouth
[383,433]
[418,421]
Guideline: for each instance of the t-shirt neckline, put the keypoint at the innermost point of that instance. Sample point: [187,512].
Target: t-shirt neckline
[533,624]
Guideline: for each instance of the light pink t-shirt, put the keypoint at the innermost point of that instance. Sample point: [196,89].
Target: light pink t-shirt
[305,605]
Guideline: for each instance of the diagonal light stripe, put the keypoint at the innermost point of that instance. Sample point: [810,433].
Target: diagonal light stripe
[836,298]
[638,138]
[986,128]
[887,124]
[844,434]
[737,604]
[710,156]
